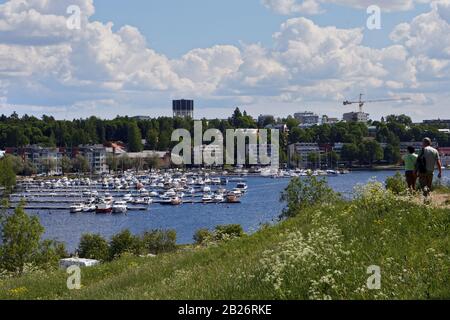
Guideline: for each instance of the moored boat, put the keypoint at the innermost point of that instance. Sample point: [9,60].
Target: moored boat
[119,207]
[232,197]
[103,207]
[76,208]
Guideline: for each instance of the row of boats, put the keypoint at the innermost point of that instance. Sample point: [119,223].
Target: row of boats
[106,204]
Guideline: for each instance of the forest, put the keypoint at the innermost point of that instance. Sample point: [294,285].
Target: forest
[360,144]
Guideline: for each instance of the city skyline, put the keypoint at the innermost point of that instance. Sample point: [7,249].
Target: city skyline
[265,56]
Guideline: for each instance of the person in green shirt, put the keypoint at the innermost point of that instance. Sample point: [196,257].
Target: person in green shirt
[410,160]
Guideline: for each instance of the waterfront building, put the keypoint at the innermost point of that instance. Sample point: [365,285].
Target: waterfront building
[299,154]
[96,156]
[45,160]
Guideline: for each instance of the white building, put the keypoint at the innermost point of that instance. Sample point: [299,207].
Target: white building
[299,153]
[356,117]
[307,118]
[96,156]
[327,120]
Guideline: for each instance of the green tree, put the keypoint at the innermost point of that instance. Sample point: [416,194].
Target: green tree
[28,168]
[20,240]
[152,162]
[203,236]
[125,162]
[152,139]
[112,162]
[66,165]
[80,164]
[392,154]
[134,138]
[93,246]
[48,165]
[7,174]
[124,242]
[371,151]
[303,193]
[50,252]
[158,241]
[17,163]
[224,232]
[313,160]
[350,153]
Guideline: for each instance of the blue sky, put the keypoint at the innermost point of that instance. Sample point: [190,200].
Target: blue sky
[266,56]
[174,27]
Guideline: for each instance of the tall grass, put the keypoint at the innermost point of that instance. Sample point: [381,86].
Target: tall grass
[321,253]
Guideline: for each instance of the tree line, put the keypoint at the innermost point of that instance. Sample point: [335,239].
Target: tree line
[18,132]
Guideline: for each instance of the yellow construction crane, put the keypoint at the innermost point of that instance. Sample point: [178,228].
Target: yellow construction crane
[362,102]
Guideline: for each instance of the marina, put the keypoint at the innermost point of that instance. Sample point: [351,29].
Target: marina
[259,205]
[136,192]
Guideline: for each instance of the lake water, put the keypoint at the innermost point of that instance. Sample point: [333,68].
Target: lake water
[260,205]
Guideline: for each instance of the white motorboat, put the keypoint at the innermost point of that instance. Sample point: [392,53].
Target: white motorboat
[120,207]
[145,200]
[76,208]
[207,198]
[170,193]
[237,192]
[108,198]
[128,198]
[90,207]
[242,186]
[218,198]
[154,194]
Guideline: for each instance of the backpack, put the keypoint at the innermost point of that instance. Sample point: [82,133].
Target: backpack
[422,162]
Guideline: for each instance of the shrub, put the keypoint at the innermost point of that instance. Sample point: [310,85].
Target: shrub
[124,242]
[203,236]
[397,184]
[50,253]
[221,233]
[228,232]
[302,193]
[158,241]
[93,246]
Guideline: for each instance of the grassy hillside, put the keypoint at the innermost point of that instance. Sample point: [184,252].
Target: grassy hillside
[322,253]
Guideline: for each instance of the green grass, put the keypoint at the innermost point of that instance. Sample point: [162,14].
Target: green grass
[323,253]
